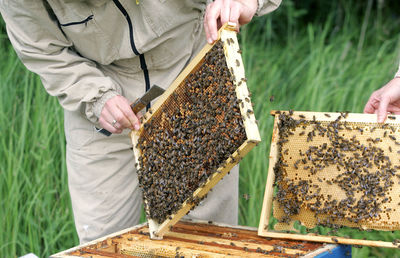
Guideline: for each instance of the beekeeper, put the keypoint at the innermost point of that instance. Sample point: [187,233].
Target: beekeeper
[96,56]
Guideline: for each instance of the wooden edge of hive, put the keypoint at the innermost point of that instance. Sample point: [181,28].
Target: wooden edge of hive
[236,67]
[329,239]
[269,188]
[64,254]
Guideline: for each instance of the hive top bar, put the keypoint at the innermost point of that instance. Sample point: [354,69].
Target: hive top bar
[197,131]
[333,170]
[195,239]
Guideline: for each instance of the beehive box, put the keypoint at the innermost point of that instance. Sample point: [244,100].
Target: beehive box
[195,133]
[333,170]
[195,239]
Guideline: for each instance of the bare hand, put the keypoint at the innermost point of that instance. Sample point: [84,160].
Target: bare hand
[220,12]
[384,100]
[117,115]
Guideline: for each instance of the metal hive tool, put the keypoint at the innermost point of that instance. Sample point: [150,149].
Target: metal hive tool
[333,170]
[195,133]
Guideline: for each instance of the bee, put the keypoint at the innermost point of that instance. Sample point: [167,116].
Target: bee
[271,98]
[246,196]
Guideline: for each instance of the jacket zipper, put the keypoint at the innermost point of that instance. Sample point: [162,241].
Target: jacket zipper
[143,65]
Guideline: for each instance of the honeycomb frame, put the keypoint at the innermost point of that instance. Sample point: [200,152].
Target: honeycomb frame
[227,34]
[363,126]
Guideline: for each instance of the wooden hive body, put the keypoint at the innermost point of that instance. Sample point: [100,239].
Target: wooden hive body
[162,113]
[335,170]
[194,239]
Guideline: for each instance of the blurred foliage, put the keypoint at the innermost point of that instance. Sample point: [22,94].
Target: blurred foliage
[294,15]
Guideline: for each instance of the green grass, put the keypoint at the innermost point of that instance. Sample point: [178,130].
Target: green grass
[35,214]
[320,66]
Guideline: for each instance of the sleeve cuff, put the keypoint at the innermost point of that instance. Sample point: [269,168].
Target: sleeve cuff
[267,6]
[98,105]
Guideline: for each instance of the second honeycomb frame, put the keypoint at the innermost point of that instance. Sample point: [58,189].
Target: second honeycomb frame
[264,228]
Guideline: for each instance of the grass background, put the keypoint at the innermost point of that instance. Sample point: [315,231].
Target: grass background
[309,55]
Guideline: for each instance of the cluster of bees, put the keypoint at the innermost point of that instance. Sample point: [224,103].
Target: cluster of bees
[197,130]
[357,193]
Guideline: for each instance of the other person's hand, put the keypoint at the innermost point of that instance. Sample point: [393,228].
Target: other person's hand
[117,115]
[385,100]
[221,11]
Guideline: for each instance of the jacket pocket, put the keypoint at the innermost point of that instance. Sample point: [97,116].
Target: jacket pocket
[78,23]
